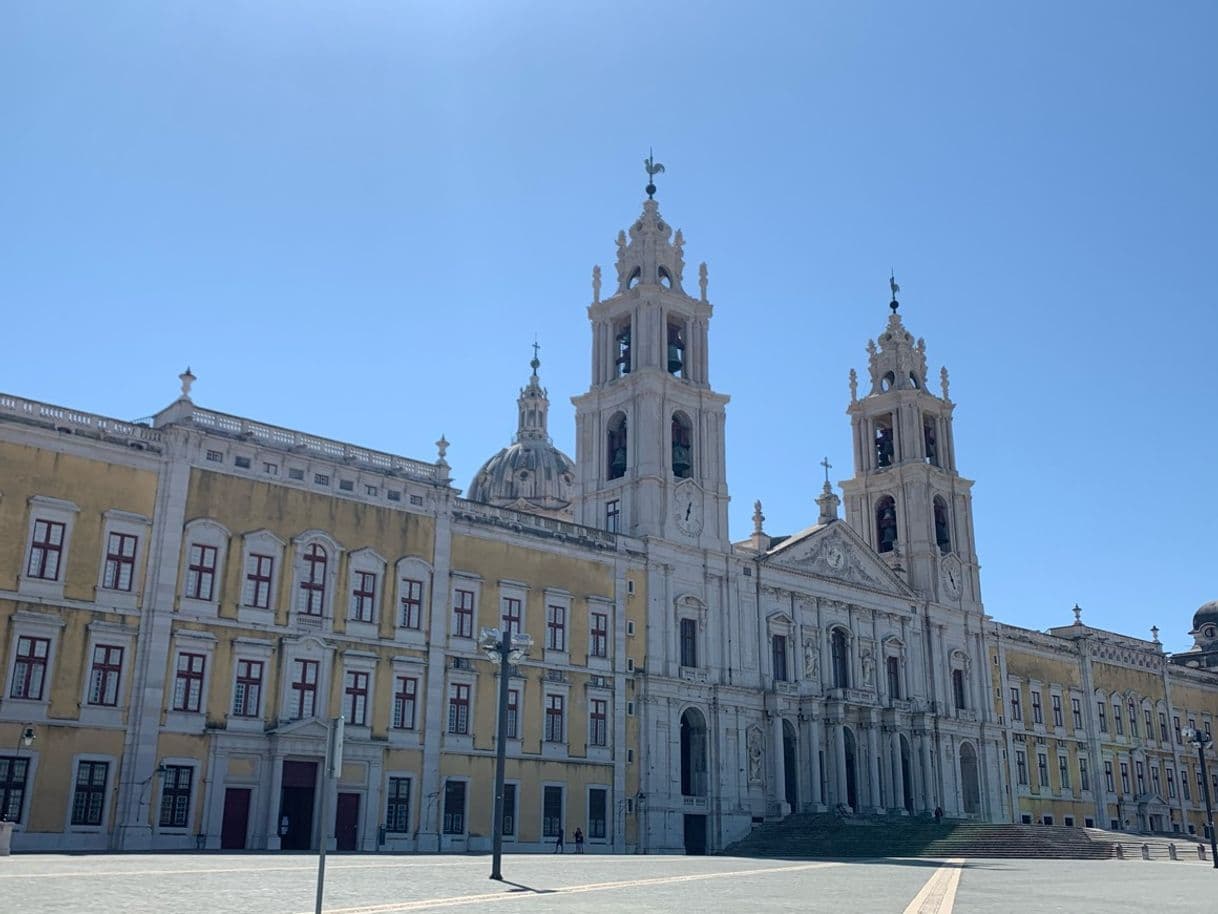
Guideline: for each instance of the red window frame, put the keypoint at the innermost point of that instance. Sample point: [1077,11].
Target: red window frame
[106,674]
[201,572]
[46,550]
[247,692]
[458,708]
[554,718]
[119,573]
[405,703]
[412,603]
[261,571]
[304,685]
[188,682]
[598,722]
[556,628]
[511,615]
[313,580]
[363,596]
[356,690]
[463,613]
[599,646]
[30,668]
[513,714]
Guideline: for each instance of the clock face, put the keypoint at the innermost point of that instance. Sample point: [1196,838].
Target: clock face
[688,510]
[835,557]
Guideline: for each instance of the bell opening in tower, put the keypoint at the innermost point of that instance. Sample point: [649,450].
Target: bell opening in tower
[676,349]
[943,536]
[682,449]
[622,339]
[883,441]
[616,446]
[885,524]
[930,440]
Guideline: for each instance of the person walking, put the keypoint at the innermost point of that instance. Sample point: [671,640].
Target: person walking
[938,814]
[579,841]
[558,845]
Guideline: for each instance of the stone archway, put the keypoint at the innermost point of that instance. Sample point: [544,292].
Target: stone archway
[970,787]
[790,765]
[693,753]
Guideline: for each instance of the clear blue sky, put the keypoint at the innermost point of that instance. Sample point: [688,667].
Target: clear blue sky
[352,217]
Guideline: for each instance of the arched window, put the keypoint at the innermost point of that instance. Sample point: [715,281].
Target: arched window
[615,449]
[621,338]
[885,524]
[676,349]
[839,649]
[682,447]
[943,535]
[664,277]
[958,689]
[312,595]
[885,445]
[930,440]
[635,276]
[693,753]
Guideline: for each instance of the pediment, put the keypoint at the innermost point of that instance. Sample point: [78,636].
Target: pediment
[308,728]
[836,552]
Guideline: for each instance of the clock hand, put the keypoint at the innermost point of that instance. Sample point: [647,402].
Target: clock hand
[688,508]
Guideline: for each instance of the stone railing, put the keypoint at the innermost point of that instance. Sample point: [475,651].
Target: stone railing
[77,423]
[693,674]
[533,523]
[288,440]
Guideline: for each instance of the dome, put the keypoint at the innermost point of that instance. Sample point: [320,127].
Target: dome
[530,474]
[1206,613]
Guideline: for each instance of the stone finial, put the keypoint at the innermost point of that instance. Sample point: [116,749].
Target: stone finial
[758,518]
[943,382]
[187,378]
[678,242]
[596,284]
[702,279]
[854,386]
[442,448]
[828,503]
[1154,634]
[1078,614]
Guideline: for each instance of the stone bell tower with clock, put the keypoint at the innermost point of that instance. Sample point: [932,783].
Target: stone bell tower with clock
[906,498]
[650,456]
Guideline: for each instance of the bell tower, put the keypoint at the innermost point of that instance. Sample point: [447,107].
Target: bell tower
[650,431]
[906,498]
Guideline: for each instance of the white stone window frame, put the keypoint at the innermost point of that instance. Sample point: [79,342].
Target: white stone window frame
[601,693]
[514,837]
[113,634]
[688,606]
[555,749]
[606,605]
[414,568]
[854,672]
[780,623]
[32,757]
[307,648]
[107,804]
[365,560]
[460,741]
[359,662]
[154,800]
[464,580]
[27,624]
[519,684]
[554,596]
[129,524]
[892,646]
[187,641]
[55,510]
[261,651]
[1050,723]
[958,659]
[413,668]
[204,531]
[394,838]
[511,590]
[541,812]
[608,838]
[260,542]
[334,554]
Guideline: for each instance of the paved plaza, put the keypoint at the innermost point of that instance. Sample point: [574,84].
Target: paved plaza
[366,884]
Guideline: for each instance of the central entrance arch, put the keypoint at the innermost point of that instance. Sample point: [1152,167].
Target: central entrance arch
[693,776]
[969,786]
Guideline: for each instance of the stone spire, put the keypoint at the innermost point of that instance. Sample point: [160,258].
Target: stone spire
[898,362]
[534,406]
[649,257]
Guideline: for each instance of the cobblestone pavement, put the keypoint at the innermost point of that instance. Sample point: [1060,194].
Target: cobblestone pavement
[382,884]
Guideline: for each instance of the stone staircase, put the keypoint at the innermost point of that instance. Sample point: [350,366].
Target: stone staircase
[1158,847]
[830,836]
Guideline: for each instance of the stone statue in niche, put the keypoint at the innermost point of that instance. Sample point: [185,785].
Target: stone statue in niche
[868,660]
[755,753]
[810,659]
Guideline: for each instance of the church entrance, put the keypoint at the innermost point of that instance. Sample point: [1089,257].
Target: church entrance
[790,771]
[695,835]
[296,805]
[969,785]
[852,785]
[693,753]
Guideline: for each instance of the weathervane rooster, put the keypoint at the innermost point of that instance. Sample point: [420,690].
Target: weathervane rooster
[652,168]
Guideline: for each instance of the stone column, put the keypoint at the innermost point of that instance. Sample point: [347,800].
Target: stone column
[873,746]
[928,796]
[778,756]
[839,758]
[815,796]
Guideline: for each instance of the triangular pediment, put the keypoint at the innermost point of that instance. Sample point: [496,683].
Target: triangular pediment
[308,728]
[836,552]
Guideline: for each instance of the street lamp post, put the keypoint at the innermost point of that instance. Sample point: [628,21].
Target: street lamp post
[505,648]
[1202,741]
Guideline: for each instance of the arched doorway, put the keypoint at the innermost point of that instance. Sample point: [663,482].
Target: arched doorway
[852,786]
[907,773]
[693,776]
[969,786]
[790,771]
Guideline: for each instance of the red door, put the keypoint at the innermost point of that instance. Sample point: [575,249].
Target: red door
[235,825]
[346,822]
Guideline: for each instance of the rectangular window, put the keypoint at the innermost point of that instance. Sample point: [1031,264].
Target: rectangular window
[556,628]
[689,642]
[1175,722]
[1021,767]
[1084,775]
[598,812]
[1155,785]
[1171,784]
[1063,772]
[201,572]
[1103,715]
[215,456]
[271,469]
[120,562]
[599,635]
[175,796]
[893,667]
[405,698]
[355,688]
[188,683]
[463,613]
[394,495]
[104,677]
[1057,710]
[458,708]
[258,581]
[1150,726]
[30,669]
[363,596]
[1125,778]
[89,796]
[247,690]
[397,806]
[958,689]
[1163,727]
[1141,775]
[551,812]
[1042,770]
[1184,785]
[295,473]
[243,463]
[312,596]
[513,714]
[454,807]
[1076,712]
[509,810]
[1038,716]
[554,719]
[598,722]
[1133,720]
[1016,708]
[304,689]
[511,615]
[321,479]
[1108,782]
[412,603]
[46,550]
[13,774]
[1117,721]
[778,653]
[613,515]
